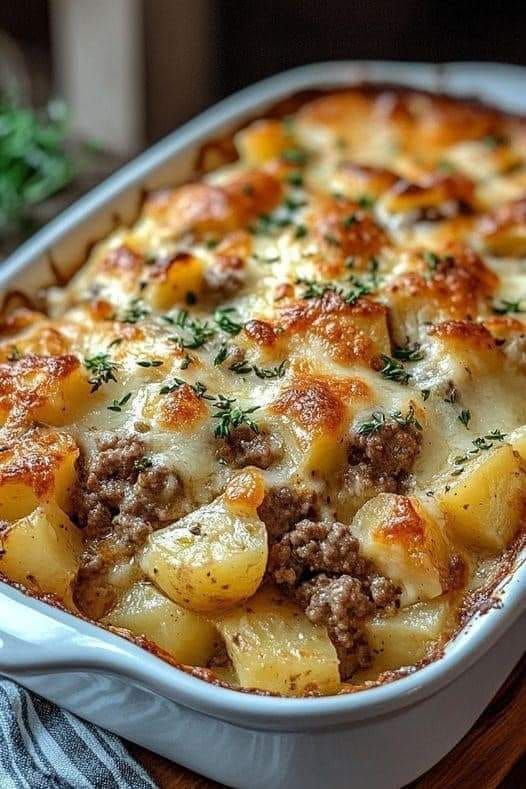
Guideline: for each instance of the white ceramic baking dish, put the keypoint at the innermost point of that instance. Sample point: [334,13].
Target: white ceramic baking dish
[382,737]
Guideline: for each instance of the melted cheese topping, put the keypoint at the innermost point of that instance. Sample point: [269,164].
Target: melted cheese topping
[363,258]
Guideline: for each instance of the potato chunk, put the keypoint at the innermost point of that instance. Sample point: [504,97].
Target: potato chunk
[172,280]
[39,467]
[484,504]
[144,611]
[41,551]
[408,635]
[406,543]
[273,646]
[216,556]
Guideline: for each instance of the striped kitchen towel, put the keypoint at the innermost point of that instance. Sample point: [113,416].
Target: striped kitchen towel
[44,747]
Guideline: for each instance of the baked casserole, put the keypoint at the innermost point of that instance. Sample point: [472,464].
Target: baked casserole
[274,429]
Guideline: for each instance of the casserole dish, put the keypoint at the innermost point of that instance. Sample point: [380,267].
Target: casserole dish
[275,741]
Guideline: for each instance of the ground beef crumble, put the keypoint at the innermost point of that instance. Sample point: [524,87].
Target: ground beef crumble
[244,447]
[382,461]
[319,565]
[118,502]
[282,507]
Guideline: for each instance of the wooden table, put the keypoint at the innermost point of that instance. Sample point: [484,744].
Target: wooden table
[491,755]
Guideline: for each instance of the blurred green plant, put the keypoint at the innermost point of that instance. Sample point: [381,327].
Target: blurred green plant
[34,160]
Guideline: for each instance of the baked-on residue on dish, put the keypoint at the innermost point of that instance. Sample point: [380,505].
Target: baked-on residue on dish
[275,427]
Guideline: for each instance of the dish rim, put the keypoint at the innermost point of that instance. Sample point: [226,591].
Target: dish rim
[480,632]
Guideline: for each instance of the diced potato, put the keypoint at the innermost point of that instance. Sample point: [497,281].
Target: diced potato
[216,556]
[41,551]
[273,646]
[52,389]
[39,468]
[172,282]
[484,504]
[261,141]
[143,610]
[406,543]
[407,636]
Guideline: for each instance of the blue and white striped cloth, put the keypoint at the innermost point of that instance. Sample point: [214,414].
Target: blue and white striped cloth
[44,747]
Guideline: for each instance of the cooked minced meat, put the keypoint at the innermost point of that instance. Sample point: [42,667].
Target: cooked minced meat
[282,507]
[383,460]
[118,503]
[319,565]
[246,447]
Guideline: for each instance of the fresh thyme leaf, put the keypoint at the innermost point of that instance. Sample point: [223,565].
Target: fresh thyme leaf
[366,201]
[295,179]
[496,435]
[231,416]
[221,355]
[350,220]
[300,232]
[199,388]
[432,260]
[482,443]
[425,393]
[271,372]
[394,370]
[225,319]
[150,363]
[186,362]
[241,368]
[117,405]
[375,424]
[407,420]
[409,353]
[294,156]
[115,342]
[194,332]
[102,370]
[451,394]
[15,354]
[465,416]
[134,312]
[507,307]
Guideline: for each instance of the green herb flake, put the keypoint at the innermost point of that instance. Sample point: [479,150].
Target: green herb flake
[409,352]
[118,405]
[464,417]
[393,370]
[231,416]
[102,370]
[225,318]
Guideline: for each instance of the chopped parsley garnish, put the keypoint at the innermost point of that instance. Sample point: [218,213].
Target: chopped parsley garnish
[271,372]
[150,363]
[102,370]
[507,307]
[225,317]
[231,416]
[393,370]
[117,405]
[465,416]
[134,312]
[409,353]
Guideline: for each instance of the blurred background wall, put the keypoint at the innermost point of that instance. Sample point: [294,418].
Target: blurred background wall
[132,70]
